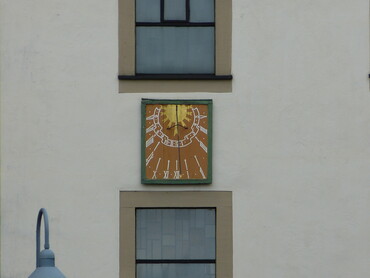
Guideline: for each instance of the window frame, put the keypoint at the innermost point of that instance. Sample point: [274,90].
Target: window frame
[131,200]
[127,24]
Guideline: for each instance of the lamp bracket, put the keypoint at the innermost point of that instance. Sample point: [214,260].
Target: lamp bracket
[42,212]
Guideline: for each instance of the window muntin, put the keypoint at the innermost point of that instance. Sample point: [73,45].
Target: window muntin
[176,242]
[178,38]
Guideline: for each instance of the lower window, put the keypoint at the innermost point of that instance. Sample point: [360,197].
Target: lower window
[175,234]
[175,242]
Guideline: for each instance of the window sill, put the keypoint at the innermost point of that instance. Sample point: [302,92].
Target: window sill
[175,77]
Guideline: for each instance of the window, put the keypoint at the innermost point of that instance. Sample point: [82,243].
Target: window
[175,242]
[175,234]
[175,36]
[175,39]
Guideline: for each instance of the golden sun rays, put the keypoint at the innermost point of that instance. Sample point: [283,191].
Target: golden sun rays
[176,115]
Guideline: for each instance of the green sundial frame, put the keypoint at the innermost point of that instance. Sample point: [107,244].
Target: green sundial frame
[144,103]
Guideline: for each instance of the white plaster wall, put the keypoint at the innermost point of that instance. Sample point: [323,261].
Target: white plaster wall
[292,141]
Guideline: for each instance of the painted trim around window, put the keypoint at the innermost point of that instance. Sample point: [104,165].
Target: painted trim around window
[221,200]
[223,37]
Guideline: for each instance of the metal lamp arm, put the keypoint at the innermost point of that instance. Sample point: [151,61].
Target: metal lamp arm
[42,212]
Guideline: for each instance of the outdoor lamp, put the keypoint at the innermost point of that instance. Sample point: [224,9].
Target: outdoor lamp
[45,260]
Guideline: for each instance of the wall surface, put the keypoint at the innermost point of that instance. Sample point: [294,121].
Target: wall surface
[291,141]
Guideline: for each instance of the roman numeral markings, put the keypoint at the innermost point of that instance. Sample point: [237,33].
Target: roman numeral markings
[166,173]
[156,169]
[176,173]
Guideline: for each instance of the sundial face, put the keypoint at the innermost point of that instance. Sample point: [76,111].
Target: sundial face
[176,141]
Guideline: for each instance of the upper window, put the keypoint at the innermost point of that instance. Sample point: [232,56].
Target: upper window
[175,39]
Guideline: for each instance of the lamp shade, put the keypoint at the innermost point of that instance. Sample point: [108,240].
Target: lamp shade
[47,272]
[45,260]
